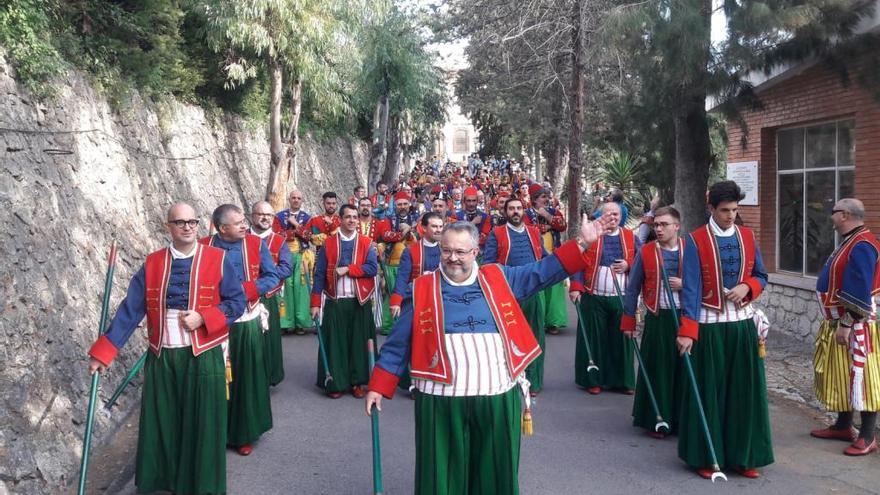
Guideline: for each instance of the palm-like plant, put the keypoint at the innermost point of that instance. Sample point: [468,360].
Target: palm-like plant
[624,171]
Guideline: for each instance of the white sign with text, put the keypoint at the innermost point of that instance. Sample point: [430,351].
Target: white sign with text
[745,174]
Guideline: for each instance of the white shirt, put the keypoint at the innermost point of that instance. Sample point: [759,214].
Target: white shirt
[345,287]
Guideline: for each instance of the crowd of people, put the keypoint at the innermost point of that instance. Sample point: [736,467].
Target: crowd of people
[466,270]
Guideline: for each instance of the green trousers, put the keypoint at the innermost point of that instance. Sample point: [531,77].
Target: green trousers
[733,388]
[250,410]
[555,299]
[468,445]
[611,351]
[664,369]
[296,297]
[182,437]
[346,327]
[390,280]
[273,350]
[534,310]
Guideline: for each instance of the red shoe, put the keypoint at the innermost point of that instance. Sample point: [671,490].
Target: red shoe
[747,472]
[533,394]
[706,473]
[628,391]
[334,395]
[848,435]
[245,449]
[594,390]
[861,447]
[658,435]
[358,392]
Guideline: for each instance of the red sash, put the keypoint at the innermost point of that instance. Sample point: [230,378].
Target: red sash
[250,257]
[594,252]
[204,292]
[503,237]
[652,263]
[274,242]
[710,264]
[430,360]
[333,247]
[418,268]
[831,299]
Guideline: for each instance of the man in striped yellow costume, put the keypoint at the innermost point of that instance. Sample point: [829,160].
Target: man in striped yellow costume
[847,371]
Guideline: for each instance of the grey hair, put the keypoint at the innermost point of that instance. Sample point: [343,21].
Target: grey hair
[259,203]
[219,217]
[464,226]
[855,207]
[611,203]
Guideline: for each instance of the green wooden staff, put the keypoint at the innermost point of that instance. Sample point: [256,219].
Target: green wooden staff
[591,366]
[374,418]
[696,390]
[96,377]
[661,425]
[122,386]
[327,376]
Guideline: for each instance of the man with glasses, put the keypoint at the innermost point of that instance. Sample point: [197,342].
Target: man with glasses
[291,224]
[658,343]
[518,244]
[250,411]
[847,370]
[344,296]
[261,226]
[723,273]
[468,344]
[190,297]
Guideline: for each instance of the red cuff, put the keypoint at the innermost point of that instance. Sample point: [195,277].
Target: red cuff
[103,350]
[754,284]
[627,323]
[395,300]
[215,320]
[383,382]
[689,328]
[355,271]
[250,291]
[392,236]
[315,300]
[569,255]
[576,286]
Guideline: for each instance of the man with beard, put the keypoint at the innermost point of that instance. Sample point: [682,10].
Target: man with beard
[518,244]
[343,295]
[261,226]
[291,224]
[381,201]
[471,214]
[183,404]
[250,411]
[550,224]
[375,229]
[608,262]
[658,342]
[468,344]
[319,227]
[398,237]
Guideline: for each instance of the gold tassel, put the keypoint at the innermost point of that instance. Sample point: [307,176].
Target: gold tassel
[527,427]
[228,376]
[282,306]
[762,351]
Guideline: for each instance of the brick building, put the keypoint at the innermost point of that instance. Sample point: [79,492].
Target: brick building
[815,141]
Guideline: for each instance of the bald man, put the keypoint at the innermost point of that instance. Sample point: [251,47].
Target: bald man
[262,216]
[847,370]
[182,431]
[291,224]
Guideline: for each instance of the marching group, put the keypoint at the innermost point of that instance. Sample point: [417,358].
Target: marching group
[465,270]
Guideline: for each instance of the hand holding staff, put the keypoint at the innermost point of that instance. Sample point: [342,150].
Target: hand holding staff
[96,371]
[374,418]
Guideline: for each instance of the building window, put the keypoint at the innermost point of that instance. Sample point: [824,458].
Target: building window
[460,142]
[815,169]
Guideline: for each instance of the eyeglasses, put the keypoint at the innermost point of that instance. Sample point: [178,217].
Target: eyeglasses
[663,225]
[184,223]
[241,223]
[837,211]
[264,214]
[459,253]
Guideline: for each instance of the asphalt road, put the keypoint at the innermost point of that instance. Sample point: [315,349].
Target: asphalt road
[582,443]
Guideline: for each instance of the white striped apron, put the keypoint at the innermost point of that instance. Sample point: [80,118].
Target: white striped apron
[478,367]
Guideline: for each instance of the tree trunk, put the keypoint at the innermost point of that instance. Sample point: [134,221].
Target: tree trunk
[377,148]
[576,114]
[393,157]
[692,155]
[275,184]
[278,199]
[693,148]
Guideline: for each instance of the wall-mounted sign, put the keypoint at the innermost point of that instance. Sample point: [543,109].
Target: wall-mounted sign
[745,174]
